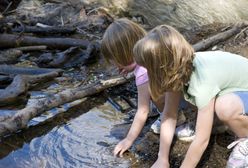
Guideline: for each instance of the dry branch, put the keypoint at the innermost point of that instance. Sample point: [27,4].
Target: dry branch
[11,41]
[32,48]
[12,93]
[10,69]
[207,43]
[44,30]
[71,57]
[42,78]
[20,86]
[21,118]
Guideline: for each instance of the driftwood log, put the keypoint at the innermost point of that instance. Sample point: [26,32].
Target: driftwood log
[42,78]
[205,44]
[11,41]
[32,48]
[71,57]
[17,90]
[21,118]
[25,78]
[11,69]
[44,30]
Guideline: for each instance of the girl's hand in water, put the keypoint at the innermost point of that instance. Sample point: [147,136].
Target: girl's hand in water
[122,146]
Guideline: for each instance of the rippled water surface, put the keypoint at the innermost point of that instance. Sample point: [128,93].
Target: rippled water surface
[73,139]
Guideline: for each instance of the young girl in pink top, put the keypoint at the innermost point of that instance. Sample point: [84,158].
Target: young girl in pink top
[117,48]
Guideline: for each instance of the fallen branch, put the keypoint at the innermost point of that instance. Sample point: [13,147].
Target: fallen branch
[10,69]
[44,30]
[207,43]
[32,48]
[71,57]
[21,118]
[28,77]
[14,91]
[42,78]
[12,41]
[21,84]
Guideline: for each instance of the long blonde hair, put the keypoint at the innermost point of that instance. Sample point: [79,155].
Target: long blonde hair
[119,39]
[168,58]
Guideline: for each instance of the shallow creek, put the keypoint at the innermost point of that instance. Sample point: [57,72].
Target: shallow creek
[77,138]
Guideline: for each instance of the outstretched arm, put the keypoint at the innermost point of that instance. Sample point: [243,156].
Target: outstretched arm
[204,124]
[138,122]
[168,125]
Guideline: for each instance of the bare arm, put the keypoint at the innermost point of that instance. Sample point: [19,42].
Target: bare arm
[204,124]
[168,125]
[142,112]
[138,122]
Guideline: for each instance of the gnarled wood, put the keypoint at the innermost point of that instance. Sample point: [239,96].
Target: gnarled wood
[32,48]
[45,30]
[11,69]
[21,118]
[11,41]
[72,57]
[205,44]
[20,86]
[13,92]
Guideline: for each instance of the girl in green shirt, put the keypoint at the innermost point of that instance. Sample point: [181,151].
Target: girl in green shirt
[212,80]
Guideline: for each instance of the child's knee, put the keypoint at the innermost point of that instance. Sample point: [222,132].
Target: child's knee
[228,106]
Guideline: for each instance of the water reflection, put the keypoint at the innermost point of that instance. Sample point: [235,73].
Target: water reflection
[76,138]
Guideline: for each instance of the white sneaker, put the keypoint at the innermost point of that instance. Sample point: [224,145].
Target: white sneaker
[186,132]
[239,156]
[155,127]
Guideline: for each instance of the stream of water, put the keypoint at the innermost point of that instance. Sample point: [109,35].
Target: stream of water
[77,138]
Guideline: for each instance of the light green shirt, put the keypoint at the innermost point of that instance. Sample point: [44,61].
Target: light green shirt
[215,73]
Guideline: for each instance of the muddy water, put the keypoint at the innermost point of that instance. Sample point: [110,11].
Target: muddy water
[76,138]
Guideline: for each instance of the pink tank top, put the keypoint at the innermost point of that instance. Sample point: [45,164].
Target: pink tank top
[141,75]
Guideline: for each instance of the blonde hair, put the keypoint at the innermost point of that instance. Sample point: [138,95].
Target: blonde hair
[168,58]
[119,39]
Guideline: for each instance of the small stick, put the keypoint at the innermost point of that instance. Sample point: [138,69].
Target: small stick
[32,48]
